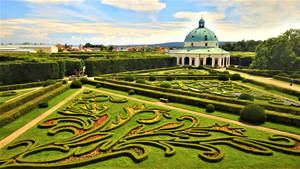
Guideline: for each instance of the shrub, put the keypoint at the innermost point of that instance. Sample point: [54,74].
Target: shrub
[130,78]
[152,78]
[176,86]
[98,85]
[43,105]
[65,81]
[210,108]
[253,113]
[295,75]
[84,80]
[169,78]
[143,81]
[245,96]
[131,92]
[283,74]
[76,84]
[49,82]
[223,77]
[165,85]
[236,76]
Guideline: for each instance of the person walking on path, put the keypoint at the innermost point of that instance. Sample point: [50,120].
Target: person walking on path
[291,84]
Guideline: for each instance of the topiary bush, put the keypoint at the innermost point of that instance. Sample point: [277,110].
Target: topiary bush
[253,113]
[131,92]
[84,80]
[210,108]
[223,77]
[130,78]
[98,85]
[76,84]
[143,81]
[49,82]
[169,78]
[165,85]
[65,81]
[236,76]
[43,105]
[152,78]
[245,96]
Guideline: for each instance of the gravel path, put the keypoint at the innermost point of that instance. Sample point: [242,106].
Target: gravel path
[23,129]
[267,80]
[200,114]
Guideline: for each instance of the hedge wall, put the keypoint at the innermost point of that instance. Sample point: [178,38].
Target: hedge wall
[28,106]
[95,66]
[286,79]
[11,73]
[266,73]
[288,119]
[238,60]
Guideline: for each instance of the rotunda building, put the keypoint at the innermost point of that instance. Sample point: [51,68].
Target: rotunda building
[201,47]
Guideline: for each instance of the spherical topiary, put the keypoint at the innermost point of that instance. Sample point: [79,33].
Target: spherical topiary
[169,78]
[152,78]
[223,77]
[143,81]
[236,76]
[210,108]
[253,113]
[98,85]
[245,96]
[131,92]
[76,84]
[49,82]
[43,105]
[130,78]
[165,85]
[84,80]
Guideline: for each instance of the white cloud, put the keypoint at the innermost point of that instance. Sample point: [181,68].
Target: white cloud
[52,1]
[137,5]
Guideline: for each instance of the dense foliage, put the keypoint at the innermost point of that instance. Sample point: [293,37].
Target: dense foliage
[76,84]
[284,49]
[245,96]
[249,45]
[236,76]
[210,108]
[253,113]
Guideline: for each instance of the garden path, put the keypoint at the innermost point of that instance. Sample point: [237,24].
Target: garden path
[268,80]
[21,130]
[34,89]
[200,114]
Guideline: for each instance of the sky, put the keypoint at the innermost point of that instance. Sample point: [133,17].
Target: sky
[122,22]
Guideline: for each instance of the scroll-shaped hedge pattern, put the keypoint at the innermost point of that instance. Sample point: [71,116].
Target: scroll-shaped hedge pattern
[97,135]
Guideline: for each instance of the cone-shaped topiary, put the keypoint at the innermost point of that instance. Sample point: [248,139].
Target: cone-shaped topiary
[253,113]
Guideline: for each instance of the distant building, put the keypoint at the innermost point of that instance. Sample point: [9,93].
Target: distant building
[201,48]
[28,49]
[120,49]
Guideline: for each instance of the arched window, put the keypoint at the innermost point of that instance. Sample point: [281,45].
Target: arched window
[205,44]
[205,37]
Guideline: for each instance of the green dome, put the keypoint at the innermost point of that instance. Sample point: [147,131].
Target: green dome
[201,34]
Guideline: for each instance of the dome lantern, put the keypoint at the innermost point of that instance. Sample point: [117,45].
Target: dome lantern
[201,22]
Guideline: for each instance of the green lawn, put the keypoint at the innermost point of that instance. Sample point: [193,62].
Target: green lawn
[121,125]
[13,126]
[281,127]
[182,71]
[19,93]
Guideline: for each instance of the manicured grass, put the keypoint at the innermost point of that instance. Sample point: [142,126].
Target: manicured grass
[182,71]
[125,93]
[13,126]
[183,158]
[281,127]
[272,91]
[19,93]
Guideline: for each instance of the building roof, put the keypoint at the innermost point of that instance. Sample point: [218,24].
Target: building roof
[202,50]
[201,34]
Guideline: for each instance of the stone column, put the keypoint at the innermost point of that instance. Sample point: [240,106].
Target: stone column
[212,61]
[204,61]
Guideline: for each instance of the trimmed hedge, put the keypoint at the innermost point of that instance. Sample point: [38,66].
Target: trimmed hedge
[271,107]
[7,106]
[21,86]
[288,119]
[253,113]
[286,79]
[96,66]
[28,106]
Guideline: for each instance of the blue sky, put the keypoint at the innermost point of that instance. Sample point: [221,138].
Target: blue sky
[142,21]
